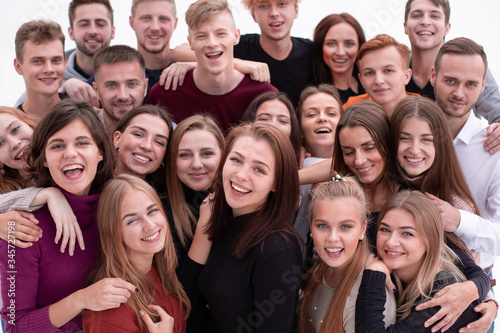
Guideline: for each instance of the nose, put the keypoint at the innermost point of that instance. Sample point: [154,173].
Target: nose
[146,144]
[92,28]
[148,223]
[322,116]
[196,164]
[340,50]
[273,10]
[123,92]
[13,143]
[393,240]
[154,24]
[70,151]
[359,158]
[47,68]
[425,19]
[379,78]
[333,235]
[242,174]
[459,92]
[414,147]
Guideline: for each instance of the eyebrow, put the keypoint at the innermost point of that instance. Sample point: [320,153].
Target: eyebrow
[363,144]
[253,161]
[81,137]
[135,214]
[145,130]
[11,124]
[269,115]
[425,134]
[400,228]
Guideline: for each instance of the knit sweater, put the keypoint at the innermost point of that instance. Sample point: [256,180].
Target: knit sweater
[42,275]
[123,318]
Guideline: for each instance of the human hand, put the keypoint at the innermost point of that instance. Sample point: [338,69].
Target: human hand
[449,214]
[19,227]
[173,76]
[75,88]
[489,311]
[258,71]
[376,264]
[106,294]
[492,142]
[165,325]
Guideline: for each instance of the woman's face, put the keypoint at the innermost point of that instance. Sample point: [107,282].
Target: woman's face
[275,112]
[142,145]
[400,244]
[198,157]
[416,149]
[248,175]
[15,138]
[72,156]
[340,48]
[336,229]
[144,228]
[361,154]
[319,118]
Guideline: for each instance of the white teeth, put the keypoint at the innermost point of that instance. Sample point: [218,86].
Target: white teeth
[323,130]
[72,167]
[425,33]
[276,24]
[152,236]
[394,253]
[414,160]
[142,158]
[213,54]
[47,80]
[239,189]
[336,251]
[364,169]
[18,157]
[155,37]
[340,61]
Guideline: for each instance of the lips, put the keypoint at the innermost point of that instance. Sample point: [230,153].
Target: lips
[323,130]
[365,170]
[73,171]
[239,189]
[21,152]
[155,37]
[142,158]
[276,25]
[425,33]
[414,159]
[393,254]
[152,238]
[334,252]
[213,55]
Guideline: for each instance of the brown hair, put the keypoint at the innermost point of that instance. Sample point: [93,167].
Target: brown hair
[438,255]
[116,54]
[38,32]
[250,4]
[184,218]
[461,46]
[251,112]
[75,3]
[321,71]
[202,11]
[440,3]
[347,187]
[157,177]
[281,205]
[11,179]
[114,261]
[382,41]
[136,3]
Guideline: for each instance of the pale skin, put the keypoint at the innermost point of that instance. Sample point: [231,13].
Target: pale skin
[201,245]
[165,325]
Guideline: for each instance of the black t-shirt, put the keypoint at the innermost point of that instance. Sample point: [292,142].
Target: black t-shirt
[290,75]
[427,91]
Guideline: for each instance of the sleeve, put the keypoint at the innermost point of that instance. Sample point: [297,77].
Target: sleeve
[119,320]
[276,281]
[479,234]
[472,271]
[19,200]
[19,287]
[488,102]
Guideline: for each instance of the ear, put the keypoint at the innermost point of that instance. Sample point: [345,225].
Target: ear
[253,15]
[447,29]
[407,75]
[237,36]
[433,76]
[71,33]
[406,30]
[94,85]
[189,41]
[45,164]
[175,23]
[363,229]
[116,139]
[484,81]
[146,87]
[100,156]
[296,11]
[113,32]
[131,22]
[18,66]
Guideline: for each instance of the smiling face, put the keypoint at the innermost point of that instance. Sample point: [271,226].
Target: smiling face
[212,42]
[120,87]
[275,18]
[92,28]
[400,244]
[318,120]
[337,228]
[153,23]
[361,154]
[143,227]
[15,137]
[43,67]
[275,112]
[416,149]
[197,159]
[425,26]
[384,76]
[340,48]
[72,156]
[142,145]
[248,175]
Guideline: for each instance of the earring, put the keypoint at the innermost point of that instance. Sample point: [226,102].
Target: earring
[162,166]
[117,148]
[362,237]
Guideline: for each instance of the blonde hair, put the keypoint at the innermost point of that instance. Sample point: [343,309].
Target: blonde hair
[340,188]
[438,256]
[114,261]
[250,4]
[202,11]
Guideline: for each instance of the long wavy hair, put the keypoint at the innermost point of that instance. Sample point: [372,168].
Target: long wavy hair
[438,256]
[333,319]
[184,219]
[11,179]
[114,261]
[279,210]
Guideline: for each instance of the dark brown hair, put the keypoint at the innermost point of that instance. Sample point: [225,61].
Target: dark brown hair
[38,32]
[445,4]
[461,46]
[116,54]
[75,3]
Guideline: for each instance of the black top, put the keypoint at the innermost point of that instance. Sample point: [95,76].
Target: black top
[258,293]
[345,94]
[427,91]
[371,301]
[290,75]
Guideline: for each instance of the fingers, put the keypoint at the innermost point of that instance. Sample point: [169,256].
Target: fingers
[79,237]
[492,142]
[120,283]
[30,217]
[147,320]
[432,320]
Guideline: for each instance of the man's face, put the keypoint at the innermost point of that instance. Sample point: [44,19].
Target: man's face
[213,41]
[425,26]
[120,87]
[275,17]
[384,75]
[92,29]
[153,23]
[43,66]
[457,88]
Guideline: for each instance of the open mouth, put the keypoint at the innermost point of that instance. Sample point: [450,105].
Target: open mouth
[239,189]
[340,61]
[151,238]
[73,170]
[323,130]
[364,170]
[155,37]
[425,33]
[276,24]
[142,158]
[20,155]
[414,160]
[334,252]
[51,80]
[214,55]
[394,253]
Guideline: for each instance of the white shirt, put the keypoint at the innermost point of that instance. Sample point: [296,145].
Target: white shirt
[482,172]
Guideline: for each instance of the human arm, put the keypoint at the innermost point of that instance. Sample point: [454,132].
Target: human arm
[479,234]
[318,172]
[488,310]
[79,89]
[20,200]
[201,245]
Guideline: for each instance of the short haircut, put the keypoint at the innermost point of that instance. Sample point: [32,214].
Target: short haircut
[250,4]
[445,4]
[461,46]
[116,54]
[202,11]
[135,3]
[38,32]
[75,3]
[380,42]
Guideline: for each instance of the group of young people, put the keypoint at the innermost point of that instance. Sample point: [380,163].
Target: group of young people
[249,183]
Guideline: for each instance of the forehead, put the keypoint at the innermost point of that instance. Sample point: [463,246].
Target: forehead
[221,21]
[160,8]
[273,106]
[92,11]
[259,2]
[320,98]
[453,65]
[46,49]
[425,5]
[382,57]
[126,70]
[151,123]
[6,119]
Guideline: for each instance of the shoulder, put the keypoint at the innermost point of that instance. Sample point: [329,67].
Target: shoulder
[121,319]
[255,86]
[280,242]
[249,39]
[302,42]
